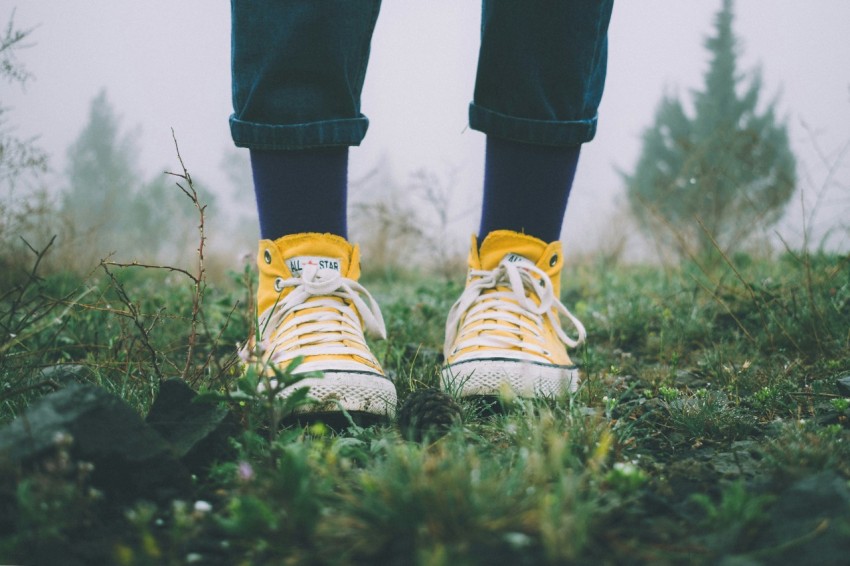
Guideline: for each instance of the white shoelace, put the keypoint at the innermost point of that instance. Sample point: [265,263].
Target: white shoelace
[332,327]
[503,312]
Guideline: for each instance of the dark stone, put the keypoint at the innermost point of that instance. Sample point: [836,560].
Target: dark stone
[826,414]
[130,458]
[809,523]
[843,385]
[688,379]
[66,374]
[198,432]
[687,475]
[589,412]
[740,462]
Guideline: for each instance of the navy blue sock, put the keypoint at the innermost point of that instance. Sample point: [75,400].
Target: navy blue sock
[303,190]
[526,188]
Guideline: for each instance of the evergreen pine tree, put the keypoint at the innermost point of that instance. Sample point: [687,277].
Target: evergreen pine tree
[102,177]
[108,205]
[729,166]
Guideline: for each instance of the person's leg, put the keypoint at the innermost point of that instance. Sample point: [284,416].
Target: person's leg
[540,76]
[541,71]
[298,70]
[526,187]
[301,190]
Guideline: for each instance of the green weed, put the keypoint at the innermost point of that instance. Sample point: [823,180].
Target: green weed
[800,448]
[737,514]
[678,360]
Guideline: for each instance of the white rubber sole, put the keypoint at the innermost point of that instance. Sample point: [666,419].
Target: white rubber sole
[487,378]
[356,392]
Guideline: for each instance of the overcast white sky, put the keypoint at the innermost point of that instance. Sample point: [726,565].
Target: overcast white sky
[166,64]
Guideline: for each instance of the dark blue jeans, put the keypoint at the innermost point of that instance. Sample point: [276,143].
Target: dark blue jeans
[298,68]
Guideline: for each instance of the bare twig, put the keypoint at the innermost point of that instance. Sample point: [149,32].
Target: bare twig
[727,308]
[811,394]
[832,168]
[199,278]
[211,358]
[149,266]
[34,310]
[32,277]
[24,388]
[136,317]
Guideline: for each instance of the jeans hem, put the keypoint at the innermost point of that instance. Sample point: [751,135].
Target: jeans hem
[525,130]
[327,133]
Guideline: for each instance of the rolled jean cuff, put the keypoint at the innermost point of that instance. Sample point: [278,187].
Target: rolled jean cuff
[541,132]
[327,133]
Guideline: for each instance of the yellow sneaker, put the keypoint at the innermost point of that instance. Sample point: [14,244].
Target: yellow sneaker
[310,304]
[504,330]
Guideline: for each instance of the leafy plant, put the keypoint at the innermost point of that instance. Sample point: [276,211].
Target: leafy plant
[739,511]
[260,387]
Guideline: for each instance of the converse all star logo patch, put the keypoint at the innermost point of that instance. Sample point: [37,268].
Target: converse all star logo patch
[298,264]
[516,258]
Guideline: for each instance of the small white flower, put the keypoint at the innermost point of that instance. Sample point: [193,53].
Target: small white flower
[62,439]
[626,468]
[245,471]
[202,507]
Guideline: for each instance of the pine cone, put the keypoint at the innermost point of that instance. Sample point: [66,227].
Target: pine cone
[428,412]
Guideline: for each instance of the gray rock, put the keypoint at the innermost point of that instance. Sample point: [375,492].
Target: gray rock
[198,432]
[66,374]
[735,464]
[685,378]
[843,385]
[808,524]
[589,411]
[130,458]
[739,561]
[826,414]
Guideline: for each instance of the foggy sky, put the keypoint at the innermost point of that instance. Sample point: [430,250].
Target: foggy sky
[166,64]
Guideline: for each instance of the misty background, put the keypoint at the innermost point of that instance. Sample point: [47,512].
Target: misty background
[165,65]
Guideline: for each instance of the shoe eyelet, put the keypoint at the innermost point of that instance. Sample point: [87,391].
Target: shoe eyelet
[267,256]
[553,261]
[278,284]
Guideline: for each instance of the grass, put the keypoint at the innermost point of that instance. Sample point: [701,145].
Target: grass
[682,366]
